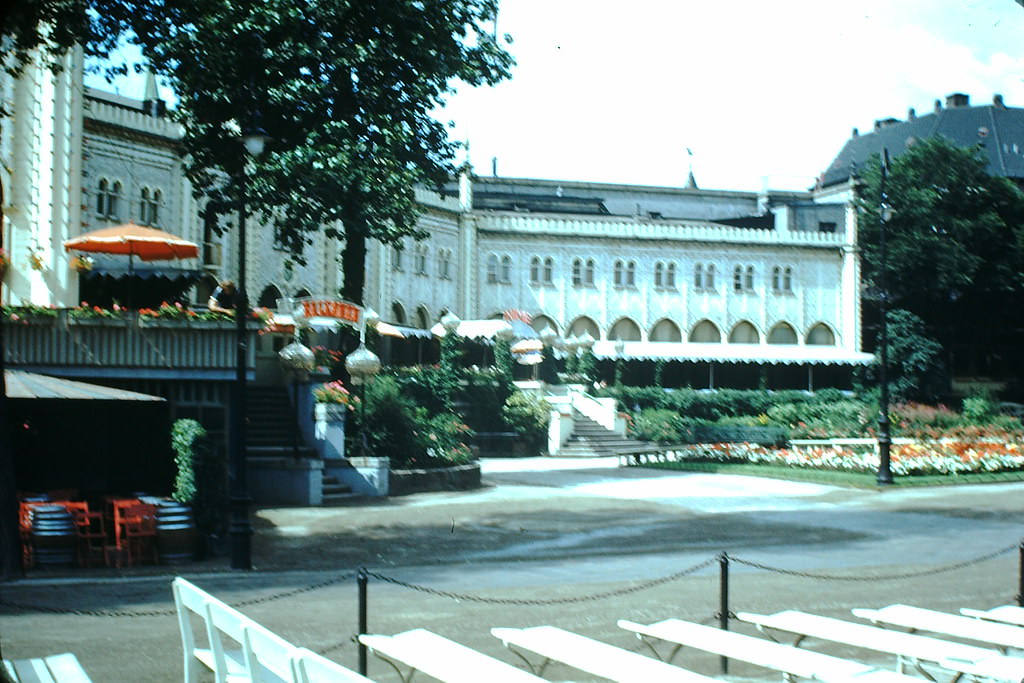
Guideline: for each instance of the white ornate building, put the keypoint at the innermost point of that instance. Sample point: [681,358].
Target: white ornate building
[682,273]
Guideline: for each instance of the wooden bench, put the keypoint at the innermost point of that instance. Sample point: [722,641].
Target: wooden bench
[591,656]
[1005,614]
[62,668]
[448,661]
[253,653]
[957,658]
[1003,636]
[791,661]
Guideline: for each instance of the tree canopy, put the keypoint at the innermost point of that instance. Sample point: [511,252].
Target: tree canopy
[955,251]
[346,90]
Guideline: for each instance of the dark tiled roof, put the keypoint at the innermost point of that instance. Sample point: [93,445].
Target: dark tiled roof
[999,130]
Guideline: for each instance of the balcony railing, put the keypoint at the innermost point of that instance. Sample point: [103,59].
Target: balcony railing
[126,346]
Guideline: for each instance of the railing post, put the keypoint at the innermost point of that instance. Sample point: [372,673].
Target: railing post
[362,579]
[723,601]
[1020,574]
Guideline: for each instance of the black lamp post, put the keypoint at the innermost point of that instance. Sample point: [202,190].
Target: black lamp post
[362,364]
[241,526]
[884,477]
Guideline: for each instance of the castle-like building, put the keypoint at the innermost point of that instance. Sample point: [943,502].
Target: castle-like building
[676,273]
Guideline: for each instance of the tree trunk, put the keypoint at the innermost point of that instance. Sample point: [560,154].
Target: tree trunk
[353,257]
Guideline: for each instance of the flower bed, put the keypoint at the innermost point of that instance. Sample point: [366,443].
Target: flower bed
[917,458]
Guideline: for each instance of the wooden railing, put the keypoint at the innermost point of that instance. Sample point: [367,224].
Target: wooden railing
[117,346]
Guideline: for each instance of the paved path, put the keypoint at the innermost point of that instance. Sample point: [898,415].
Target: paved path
[584,540]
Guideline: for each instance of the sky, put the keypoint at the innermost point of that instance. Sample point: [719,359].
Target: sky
[751,93]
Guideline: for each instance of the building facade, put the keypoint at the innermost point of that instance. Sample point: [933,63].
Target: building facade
[673,273]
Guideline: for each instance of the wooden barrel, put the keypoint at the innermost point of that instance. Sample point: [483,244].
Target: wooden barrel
[53,536]
[175,532]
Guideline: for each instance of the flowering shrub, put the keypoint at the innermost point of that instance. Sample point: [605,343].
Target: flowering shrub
[168,311]
[22,314]
[84,311]
[326,357]
[917,458]
[334,392]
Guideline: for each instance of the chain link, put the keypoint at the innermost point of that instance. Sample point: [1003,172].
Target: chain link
[877,577]
[170,612]
[534,602]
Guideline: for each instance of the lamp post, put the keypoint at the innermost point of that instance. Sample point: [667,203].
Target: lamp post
[620,350]
[241,527]
[297,360]
[585,365]
[362,364]
[884,477]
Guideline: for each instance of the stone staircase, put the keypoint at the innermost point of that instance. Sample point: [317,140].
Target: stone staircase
[591,440]
[270,433]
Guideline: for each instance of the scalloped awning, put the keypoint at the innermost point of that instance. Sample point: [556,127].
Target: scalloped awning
[769,354]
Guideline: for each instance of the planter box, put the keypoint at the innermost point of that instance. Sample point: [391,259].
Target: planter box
[456,478]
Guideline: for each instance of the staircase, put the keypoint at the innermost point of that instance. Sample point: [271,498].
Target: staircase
[270,433]
[591,440]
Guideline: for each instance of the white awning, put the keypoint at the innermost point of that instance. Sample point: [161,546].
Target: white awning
[771,354]
[486,329]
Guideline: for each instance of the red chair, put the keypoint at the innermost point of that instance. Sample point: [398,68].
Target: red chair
[91,529]
[139,532]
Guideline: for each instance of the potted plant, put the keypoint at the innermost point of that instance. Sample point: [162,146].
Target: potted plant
[332,400]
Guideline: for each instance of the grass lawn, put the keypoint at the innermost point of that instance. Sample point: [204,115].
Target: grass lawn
[836,478]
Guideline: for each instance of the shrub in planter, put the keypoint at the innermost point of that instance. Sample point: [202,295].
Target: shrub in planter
[528,416]
[202,480]
[660,425]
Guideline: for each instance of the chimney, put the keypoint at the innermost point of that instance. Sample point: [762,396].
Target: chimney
[938,106]
[856,133]
[911,114]
[997,101]
[957,99]
[494,166]
[885,123]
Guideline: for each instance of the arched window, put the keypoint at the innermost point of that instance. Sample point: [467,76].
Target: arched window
[492,268]
[626,330]
[101,197]
[444,264]
[665,331]
[549,271]
[783,333]
[268,297]
[398,313]
[737,279]
[670,276]
[421,259]
[709,276]
[113,200]
[659,275]
[577,272]
[748,279]
[506,269]
[744,333]
[631,274]
[422,318]
[535,270]
[584,324]
[776,279]
[821,335]
[787,279]
[618,274]
[705,332]
[588,274]
[396,258]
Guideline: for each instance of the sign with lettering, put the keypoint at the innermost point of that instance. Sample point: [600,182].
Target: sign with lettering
[329,308]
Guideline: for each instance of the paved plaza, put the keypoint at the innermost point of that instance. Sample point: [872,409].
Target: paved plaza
[572,543]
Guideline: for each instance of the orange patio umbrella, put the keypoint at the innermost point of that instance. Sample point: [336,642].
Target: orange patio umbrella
[149,244]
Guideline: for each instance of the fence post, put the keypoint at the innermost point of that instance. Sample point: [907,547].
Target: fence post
[723,601]
[362,579]
[1020,574]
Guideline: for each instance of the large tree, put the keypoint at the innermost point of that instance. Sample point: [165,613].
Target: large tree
[955,251]
[345,89]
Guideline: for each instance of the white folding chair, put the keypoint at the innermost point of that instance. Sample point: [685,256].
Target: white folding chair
[309,667]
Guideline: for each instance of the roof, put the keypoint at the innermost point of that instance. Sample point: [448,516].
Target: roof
[21,384]
[996,128]
[771,354]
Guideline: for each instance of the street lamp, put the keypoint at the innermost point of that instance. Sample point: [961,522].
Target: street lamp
[884,477]
[362,364]
[620,351]
[240,530]
[298,361]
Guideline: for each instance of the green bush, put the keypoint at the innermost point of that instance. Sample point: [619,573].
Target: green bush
[406,433]
[202,479]
[823,420]
[660,425]
[528,416]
